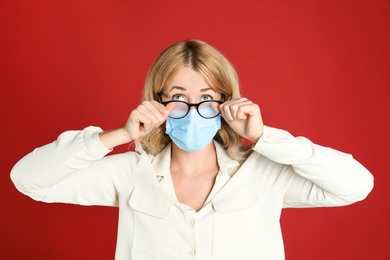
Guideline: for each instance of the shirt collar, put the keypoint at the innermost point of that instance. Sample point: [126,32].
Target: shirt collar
[225,162]
[161,162]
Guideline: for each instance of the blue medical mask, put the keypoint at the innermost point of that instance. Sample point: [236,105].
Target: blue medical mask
[192,133]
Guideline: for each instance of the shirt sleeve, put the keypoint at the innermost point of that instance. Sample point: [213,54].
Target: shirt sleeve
[321,176]
[73,169]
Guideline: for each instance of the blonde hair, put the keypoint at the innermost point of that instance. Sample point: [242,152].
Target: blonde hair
[217,72]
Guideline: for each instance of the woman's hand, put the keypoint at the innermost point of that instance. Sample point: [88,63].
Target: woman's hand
[147,116]
[244,117]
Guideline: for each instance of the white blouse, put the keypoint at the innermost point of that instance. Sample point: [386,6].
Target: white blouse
[240,218]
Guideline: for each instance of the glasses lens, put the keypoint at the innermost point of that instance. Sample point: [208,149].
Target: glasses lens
[209,109]
[180,110]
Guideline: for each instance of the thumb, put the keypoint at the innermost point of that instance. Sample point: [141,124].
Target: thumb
[169,107]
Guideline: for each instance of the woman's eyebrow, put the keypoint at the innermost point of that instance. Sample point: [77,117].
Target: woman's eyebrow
[176,87]
[184,89]
[206,89]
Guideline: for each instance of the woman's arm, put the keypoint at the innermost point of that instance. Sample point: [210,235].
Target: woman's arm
[72,170]
[322,176]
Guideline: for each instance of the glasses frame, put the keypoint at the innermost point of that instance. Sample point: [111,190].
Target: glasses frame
[189,105]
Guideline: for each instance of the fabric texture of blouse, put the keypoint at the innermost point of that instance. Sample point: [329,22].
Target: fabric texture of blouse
[240,218]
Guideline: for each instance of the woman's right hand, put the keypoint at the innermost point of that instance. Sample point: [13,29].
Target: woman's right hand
[147,116]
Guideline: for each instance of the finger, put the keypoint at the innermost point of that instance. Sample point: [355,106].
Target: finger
[170,107]
[144,118]
[164,110]
[154,110]
[152,114]
[230,109]
[246,109]
[140,122]
[225,110]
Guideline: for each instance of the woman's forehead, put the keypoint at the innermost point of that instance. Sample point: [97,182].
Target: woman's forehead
[187,79]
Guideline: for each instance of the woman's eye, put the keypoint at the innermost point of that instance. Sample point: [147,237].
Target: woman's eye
[206,98]
[177,97]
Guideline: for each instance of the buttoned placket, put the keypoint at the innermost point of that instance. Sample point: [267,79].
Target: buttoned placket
[190,238]
[187,240]
[185,221]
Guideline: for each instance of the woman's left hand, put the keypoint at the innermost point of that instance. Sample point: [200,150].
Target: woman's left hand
[244,117]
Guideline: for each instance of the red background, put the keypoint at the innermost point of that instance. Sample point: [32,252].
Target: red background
[317,68]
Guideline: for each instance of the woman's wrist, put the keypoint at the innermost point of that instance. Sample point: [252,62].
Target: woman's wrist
[114,137]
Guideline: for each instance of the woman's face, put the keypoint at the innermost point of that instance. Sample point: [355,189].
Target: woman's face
[189,86]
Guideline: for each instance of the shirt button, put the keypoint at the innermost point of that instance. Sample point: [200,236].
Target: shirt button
[192,252]
[191,222]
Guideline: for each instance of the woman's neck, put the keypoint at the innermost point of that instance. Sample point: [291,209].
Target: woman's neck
[194,163]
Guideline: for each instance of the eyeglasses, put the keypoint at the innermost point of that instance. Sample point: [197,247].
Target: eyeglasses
[206,109]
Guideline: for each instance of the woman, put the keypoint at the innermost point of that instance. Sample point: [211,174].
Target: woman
[193,189]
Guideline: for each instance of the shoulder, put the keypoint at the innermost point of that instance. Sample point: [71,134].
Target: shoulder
[122,161]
